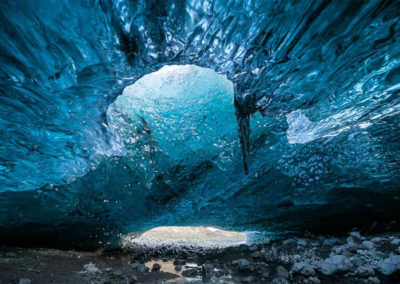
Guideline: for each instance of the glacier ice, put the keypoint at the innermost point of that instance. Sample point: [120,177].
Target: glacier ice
[314,86]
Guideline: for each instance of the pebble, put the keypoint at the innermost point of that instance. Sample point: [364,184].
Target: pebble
[253,247]
[313,280]
[367,245]
[330,242]
[373,280]
[156,267]
[356,235]
[24,281]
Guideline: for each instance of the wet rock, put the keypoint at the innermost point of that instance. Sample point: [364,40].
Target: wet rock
[24,281]
[139,267]
[248,279]
[390,265]
[367,245]
[178,267]
[244,264]
[191,273]
[365,271]
[303,268]
[156,267]
[335,264]
[281,272]
[280,281]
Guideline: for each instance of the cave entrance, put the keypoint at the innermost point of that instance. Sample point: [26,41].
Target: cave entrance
[178,117]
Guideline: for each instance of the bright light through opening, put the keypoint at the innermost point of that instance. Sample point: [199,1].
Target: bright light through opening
[186,236]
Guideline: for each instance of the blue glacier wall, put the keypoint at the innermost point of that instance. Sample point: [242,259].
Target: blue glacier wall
[316,89]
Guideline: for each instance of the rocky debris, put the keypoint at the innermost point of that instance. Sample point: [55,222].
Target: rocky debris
[303,268]
[139,267]
[335,264]
[367,245]
[191,273]
[390,265]
[24,281]
[281,272]
[156,267]
[244,264]
[365,271]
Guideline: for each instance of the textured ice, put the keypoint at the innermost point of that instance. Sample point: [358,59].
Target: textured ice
[316,95]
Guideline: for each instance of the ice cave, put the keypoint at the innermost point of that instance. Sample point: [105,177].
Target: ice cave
[201,141]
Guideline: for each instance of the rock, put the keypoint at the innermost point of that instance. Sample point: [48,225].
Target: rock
[156,267]
[178,267]
[303,268]
[356,235]
[281,272]
[140,267]
[133,279]
[395,242]
[335,264]
[191,273]
[373,280]
[208,270]
[248,279]
[390,265]
[365,271]
[219,273]
[253,247]
[280,281]
[24,281]
[244,264]
[257,255]
[367,245]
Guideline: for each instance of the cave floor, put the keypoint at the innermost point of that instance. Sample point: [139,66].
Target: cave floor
[351,259]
